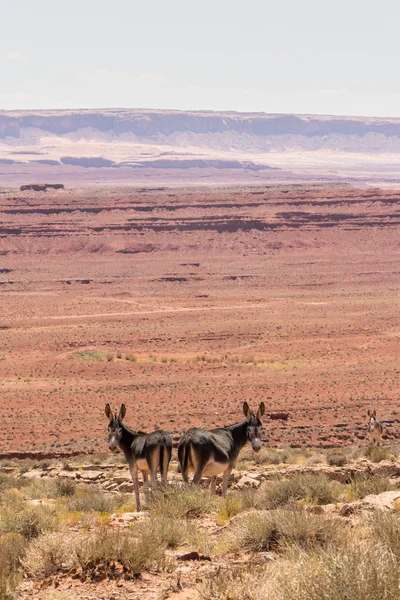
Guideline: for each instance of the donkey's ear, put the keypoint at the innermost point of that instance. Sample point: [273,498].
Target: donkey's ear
[368,412]
[246,410]
[261,410]
[122,412]
[108,412]
[374,413]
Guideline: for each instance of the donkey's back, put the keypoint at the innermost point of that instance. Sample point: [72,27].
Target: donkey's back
[152,452]
[203,445]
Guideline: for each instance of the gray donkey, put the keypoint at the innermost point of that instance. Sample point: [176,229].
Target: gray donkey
[212,452]
[374,428]
[145,452]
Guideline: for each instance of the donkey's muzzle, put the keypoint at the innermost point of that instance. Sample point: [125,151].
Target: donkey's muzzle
[256,444]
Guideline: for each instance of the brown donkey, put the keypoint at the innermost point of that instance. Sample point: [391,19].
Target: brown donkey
[212,452]
[145,452]
[374,428]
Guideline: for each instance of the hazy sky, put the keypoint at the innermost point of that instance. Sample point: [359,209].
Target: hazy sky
[303,56]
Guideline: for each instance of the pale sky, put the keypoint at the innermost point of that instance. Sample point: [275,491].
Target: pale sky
[301,56]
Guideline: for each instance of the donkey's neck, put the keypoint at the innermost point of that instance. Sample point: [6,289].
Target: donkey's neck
[239,433]
[126,440]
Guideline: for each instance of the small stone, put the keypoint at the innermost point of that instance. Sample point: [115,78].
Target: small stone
[193,556]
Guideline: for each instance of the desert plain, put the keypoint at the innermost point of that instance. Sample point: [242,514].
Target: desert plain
[184,302]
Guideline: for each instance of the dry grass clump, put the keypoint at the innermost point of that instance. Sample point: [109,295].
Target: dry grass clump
[167,532]
[236,584]
[102,553]
[313,489]
[385,529]
[357,572]
[92,499]
[235,503]
[10,482]
[49,554]
[364,485]
[115,552]
[352,572]
[378,453]
[29,521]
[12,547]
[337,458]
[181,502]
[56,487]
[275,530]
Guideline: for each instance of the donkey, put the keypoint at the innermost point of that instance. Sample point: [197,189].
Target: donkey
[374,428]
[145,452]
[212,452]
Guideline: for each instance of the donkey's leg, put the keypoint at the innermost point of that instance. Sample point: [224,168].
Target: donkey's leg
[134,474]
[165,465]
[213,484]
[197,475]
[153,459]
[225,479]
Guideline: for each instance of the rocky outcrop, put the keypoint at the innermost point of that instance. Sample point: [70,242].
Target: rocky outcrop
[41,187]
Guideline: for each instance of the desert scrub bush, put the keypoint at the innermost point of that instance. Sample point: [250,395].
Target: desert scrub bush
[266,456]
[29,521]
[235,584]
[10,482]
[101,551]
[165,531]
[49,554]
[65,487]
[314,489]
[49,488]
[12,547]
[181,502]
[91,500]
[89,355]
[364,485]
[354,572]
[385,528]
[234,503]
[378,453]
[337,458]
[276,530]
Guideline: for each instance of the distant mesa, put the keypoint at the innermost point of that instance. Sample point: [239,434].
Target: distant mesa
[92,161]
[46,161]
[42,187]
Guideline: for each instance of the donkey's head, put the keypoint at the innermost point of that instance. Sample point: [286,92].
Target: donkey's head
[254,425]
[371,419]
[114,426]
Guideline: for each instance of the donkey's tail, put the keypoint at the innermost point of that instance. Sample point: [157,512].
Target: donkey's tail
[165,457]
[184,458]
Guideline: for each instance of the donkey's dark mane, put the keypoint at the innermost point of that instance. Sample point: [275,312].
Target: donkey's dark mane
[132,431]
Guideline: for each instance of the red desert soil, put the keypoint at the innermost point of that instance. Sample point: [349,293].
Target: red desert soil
[183,303]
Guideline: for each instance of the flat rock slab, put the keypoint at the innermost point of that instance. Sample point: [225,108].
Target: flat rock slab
[383,501]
